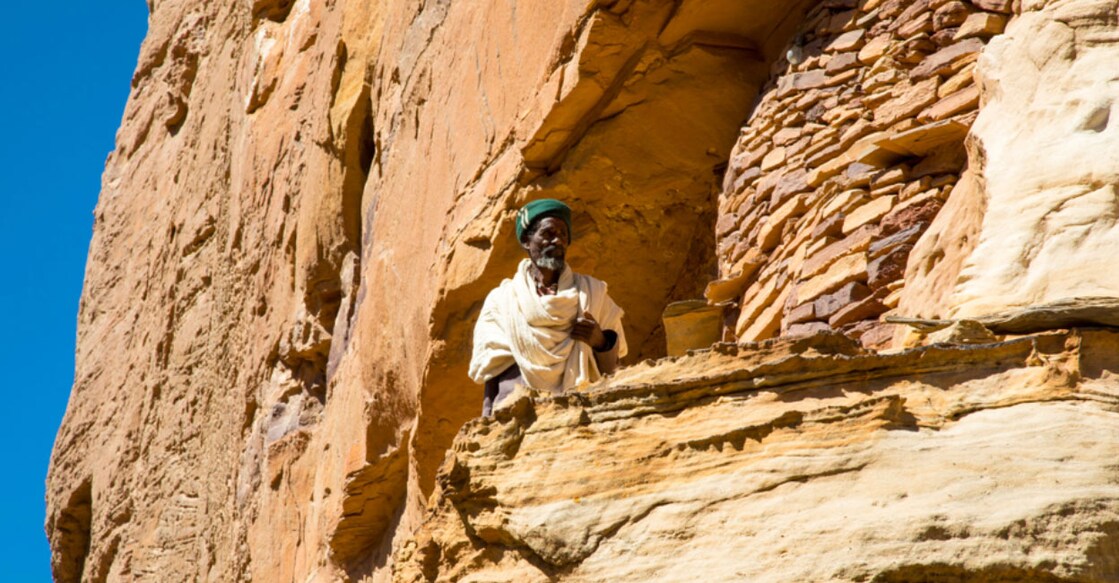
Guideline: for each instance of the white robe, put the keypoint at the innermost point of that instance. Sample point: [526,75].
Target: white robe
[533,331]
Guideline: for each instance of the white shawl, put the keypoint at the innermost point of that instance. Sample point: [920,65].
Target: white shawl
[517,325]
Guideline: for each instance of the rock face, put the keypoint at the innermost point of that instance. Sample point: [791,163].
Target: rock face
[1042,146]
[309,200]
[807,460]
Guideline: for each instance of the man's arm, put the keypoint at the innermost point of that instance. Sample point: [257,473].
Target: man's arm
[604,342]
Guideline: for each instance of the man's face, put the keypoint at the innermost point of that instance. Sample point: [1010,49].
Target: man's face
[547,244]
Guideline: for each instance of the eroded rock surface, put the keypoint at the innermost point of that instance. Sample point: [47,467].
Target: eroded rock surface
[805,460]
[309,200]
[1042,148]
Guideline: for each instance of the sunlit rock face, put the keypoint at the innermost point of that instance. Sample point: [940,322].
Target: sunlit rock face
[1044,156]
[807,460]
[309,200]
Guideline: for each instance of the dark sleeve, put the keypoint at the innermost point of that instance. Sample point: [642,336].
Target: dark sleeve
[611,340]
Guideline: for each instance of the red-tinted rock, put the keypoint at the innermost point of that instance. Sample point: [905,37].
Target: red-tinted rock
[888,268]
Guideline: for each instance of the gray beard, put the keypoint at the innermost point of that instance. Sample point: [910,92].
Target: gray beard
[550,263]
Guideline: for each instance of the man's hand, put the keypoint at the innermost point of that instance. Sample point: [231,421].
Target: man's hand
[587,330]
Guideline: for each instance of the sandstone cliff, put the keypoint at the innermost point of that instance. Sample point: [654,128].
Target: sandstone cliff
[309,200]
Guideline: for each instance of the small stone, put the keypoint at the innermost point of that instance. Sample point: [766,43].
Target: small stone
[786,136]
[950,15]
[843,62]
[774,159]
[726,224]
[888,268]
[870,307]
[944,60]
[1003,6]
[791,183]
[919,211]
[915,50]
[867,213]
[808,329]
[801,313]
[831,226]
[909,100]
[848,41]
[873,50]
[845,270]
[966,99]
[907,236]
[853,292]
[922,24]
[963,332]
[956,82]
[892,176]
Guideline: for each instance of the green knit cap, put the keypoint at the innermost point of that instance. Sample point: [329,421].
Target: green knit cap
[539,208]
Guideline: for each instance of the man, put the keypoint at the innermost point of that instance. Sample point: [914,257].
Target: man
[548,327]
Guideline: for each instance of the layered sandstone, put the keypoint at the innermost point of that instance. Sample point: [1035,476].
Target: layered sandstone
[807,460]
[309,200]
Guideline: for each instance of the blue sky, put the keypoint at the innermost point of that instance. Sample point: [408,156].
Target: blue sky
[67,76]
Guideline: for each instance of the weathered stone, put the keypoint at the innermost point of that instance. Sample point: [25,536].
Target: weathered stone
[981,24]
[907,236]
[1066,313]
[828,304]
[848,41]
[923,139]
[767,323]
[786,136]
[1003,6]
[771,230]
[320,401]
[855,242]
[892,176]
[871,334]
[874,49]
[916,211]
[774,159]
[830,226]
[921,25]
[908,101]
[945,59]
[754,432]
[845,270]
[912,11]
[802,82]
[732,286]
[1047,225]
[868,213]
[951,14]
[843,62]
[963,332]
[726,224]
[801,313]
[957,82]
[966,99]
[887,268]
[790,184]
[807,329]
[865,309]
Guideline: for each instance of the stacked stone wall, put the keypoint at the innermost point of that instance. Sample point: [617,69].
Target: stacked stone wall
[850,153]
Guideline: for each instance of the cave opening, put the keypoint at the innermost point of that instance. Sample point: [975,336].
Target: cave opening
[641,157]
[654,95]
